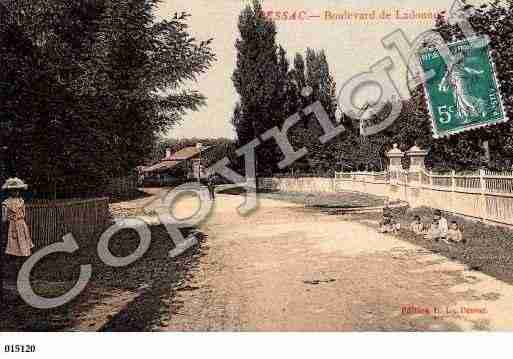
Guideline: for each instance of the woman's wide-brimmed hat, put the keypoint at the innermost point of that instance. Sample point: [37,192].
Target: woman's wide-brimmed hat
[14,184]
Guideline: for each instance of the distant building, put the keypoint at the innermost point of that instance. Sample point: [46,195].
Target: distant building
[180,166]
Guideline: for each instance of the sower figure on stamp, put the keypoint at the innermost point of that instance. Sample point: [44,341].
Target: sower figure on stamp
[19,244]
[454,80]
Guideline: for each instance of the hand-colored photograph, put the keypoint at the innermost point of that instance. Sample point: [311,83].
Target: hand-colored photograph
[255,166]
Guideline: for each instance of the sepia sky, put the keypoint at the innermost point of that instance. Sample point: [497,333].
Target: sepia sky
[351,45]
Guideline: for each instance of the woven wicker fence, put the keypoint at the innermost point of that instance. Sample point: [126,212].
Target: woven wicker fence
[49,221]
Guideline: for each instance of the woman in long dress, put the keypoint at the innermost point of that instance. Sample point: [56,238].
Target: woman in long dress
[19,243]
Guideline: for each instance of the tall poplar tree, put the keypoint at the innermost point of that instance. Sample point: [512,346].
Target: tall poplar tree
[257,81]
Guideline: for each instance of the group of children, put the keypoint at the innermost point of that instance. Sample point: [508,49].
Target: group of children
[388,223]
[438,230]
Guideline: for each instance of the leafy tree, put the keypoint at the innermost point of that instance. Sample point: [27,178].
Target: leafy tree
[243,128]
[298,76]
[413,126]
[257,81]
[99,81]
[316,74]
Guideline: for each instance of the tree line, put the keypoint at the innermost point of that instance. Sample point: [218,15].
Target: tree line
[270,90]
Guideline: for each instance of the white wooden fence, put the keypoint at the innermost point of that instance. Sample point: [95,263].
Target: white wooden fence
[484,195]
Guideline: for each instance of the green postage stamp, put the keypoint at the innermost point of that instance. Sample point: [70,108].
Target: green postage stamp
[464,95]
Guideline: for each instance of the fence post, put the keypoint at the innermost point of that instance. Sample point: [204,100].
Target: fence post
[395,156]
[417,165]
[484,213]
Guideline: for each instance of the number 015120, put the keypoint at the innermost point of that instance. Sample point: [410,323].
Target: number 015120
[19,348]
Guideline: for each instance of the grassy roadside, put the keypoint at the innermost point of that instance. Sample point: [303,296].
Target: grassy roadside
[489,248]
[320,199]
[147,286]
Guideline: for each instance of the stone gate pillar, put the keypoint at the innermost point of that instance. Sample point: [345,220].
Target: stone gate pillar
[395,155]
[417,164]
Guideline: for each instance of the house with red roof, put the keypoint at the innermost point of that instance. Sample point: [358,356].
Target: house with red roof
[185,164]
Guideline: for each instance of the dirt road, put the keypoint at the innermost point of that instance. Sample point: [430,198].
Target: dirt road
[287,268]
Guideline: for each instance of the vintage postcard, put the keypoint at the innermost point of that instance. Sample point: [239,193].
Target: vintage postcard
[255,166]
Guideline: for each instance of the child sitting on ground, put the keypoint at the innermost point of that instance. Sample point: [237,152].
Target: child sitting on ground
[396,226]
[439,228]
[386,220]
[433,233]
[443,226]
[388,224]
[454,234]
[385,225]
[416,226]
